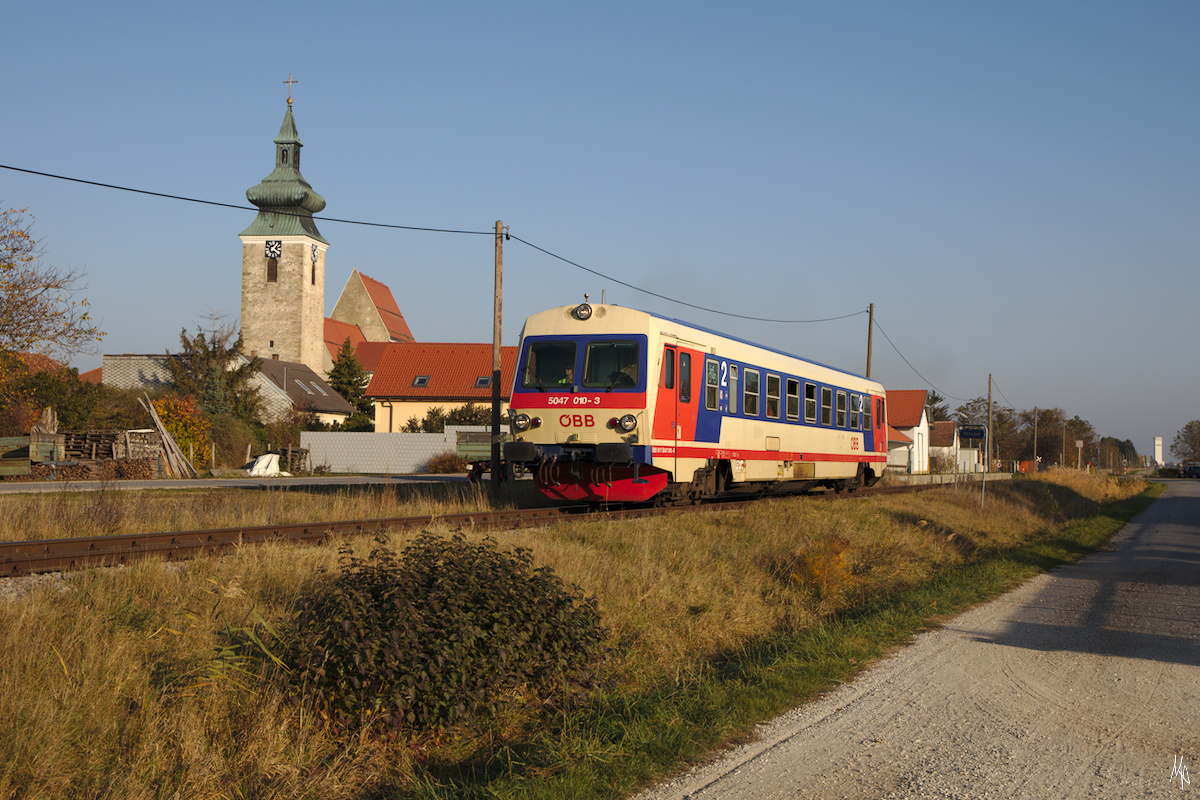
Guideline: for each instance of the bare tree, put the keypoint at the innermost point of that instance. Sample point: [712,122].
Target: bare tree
[38,309]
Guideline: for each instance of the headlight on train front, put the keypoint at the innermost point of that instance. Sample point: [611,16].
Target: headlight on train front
[521,422]
[626,423]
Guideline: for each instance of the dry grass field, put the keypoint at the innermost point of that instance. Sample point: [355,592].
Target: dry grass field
[155,681]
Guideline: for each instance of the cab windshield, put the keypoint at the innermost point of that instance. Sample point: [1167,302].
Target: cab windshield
[611,365]
[549,366]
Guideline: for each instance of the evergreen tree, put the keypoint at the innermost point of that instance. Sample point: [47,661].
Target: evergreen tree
[349,379]
[214,370]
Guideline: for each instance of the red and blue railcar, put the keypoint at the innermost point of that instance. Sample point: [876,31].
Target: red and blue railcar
[611,404]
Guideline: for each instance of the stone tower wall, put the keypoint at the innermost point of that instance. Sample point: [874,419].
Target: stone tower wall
[290,312]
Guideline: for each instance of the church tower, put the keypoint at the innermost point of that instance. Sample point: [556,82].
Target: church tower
[283,262]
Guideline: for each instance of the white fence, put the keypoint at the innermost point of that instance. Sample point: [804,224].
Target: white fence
[380,453]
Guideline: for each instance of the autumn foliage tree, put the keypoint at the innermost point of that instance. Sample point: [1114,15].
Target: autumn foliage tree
[186,422]
[38,309]
[1186,445]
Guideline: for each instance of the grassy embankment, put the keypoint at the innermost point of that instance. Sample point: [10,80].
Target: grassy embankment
[126,684]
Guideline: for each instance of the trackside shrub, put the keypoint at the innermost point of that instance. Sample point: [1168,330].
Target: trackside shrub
[446,463]
[439,634]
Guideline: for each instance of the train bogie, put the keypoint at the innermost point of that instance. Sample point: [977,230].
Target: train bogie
[613,404]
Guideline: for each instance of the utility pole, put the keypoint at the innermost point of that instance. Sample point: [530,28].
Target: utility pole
[1035,461]
[870,333]
[990,434]
[495,485]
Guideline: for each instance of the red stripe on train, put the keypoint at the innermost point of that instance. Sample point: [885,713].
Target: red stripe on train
[529,401]
[763,455]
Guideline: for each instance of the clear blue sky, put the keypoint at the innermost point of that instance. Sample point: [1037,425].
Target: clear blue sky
[1014,185]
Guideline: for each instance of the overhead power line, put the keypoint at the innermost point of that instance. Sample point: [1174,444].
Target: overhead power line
[434,230]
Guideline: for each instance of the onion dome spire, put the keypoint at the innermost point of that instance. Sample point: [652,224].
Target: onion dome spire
[286,201]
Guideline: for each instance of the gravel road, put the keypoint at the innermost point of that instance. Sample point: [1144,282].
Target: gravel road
[1084,682]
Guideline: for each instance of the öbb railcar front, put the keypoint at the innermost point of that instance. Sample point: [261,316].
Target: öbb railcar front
[611,404]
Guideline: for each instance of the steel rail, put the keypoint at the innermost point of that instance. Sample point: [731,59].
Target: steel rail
[18,559]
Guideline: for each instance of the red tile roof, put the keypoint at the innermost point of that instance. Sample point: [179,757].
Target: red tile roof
[895,436]
[336,333]
[942,434]
[36,362]
[92,375]
[389,312]
[905,406]
[369,353]
[453,371]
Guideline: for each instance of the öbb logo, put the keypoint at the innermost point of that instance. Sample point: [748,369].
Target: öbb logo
[577,421]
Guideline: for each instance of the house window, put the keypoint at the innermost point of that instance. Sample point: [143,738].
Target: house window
[317,386]
[841,410]
[300,383]
[272,270]
[483,381]
[773,396]
[793,399]
[750,397]
[826,405]
[420,381]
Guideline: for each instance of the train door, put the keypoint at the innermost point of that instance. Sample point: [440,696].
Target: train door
[666,411]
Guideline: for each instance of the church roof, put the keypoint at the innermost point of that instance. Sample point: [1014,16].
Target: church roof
[369,354]
[286,201]
[336,334]
[389,312]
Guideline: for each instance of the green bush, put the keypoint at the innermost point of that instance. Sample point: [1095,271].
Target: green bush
[439,635]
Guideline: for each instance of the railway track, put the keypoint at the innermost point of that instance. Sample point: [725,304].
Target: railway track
[19,559]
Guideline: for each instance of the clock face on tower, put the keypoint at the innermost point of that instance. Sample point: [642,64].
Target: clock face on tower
[274,248]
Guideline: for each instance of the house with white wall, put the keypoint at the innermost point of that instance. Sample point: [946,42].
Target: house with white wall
[907,414]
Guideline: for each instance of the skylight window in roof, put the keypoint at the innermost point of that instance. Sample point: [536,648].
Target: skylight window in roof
[317,386]
[483,381]
[420,381]
[300,383]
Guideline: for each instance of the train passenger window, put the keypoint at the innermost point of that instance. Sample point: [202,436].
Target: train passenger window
[733,390]
[810,402]
[549,365]
[611,365]
[685,377]
[750,397]
[793,399]
[867,414]
[668,370]
[855,410]
[826,405]
[841,410]
[773,396]
[712,382]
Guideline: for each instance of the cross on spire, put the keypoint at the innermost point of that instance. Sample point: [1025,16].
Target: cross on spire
[290,83]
